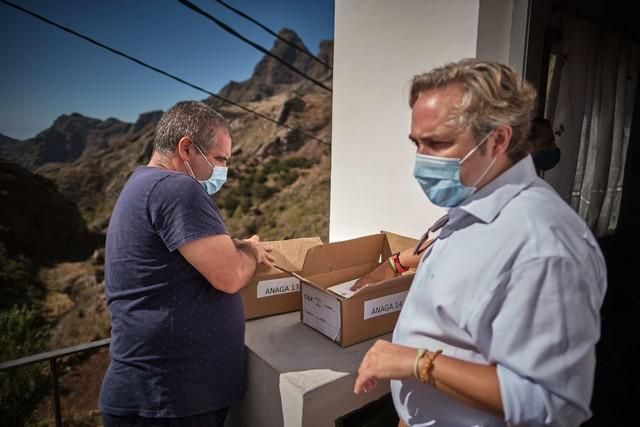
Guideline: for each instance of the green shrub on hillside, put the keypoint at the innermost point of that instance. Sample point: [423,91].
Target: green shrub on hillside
[18,282]
[261,192]
[248,189]
[22,333]
[288,177]
[297,162]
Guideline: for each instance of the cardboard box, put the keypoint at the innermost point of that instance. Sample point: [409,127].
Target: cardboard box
[272,291]
[370,312]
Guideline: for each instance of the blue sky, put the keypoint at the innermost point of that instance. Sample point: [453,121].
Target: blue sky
[47,72]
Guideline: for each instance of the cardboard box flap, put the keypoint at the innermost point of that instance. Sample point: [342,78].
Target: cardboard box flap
[340,255]
[289,254]
[325,280]
[396,243]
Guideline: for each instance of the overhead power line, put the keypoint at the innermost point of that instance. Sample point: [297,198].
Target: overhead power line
[158,70]
[273,33]
[233,32]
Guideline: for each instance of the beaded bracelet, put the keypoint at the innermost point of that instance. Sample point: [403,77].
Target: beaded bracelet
[420,354]
[425,372]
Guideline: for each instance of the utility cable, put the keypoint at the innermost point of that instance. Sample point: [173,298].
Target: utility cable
[233,32]
[273,33]
[158,70]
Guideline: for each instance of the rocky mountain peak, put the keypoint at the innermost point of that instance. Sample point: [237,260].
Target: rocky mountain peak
[271,77]
[144,119]
[73,123]
[64,141]
[272,72]
[285,50]
[4,139]
[326,51]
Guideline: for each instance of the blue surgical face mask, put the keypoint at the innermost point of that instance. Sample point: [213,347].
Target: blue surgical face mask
[439,178]
[217,178]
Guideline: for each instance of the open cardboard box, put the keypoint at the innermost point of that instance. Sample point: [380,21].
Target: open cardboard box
[271,291]
[370,312]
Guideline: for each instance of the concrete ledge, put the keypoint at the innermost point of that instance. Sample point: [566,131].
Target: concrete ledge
[298,377]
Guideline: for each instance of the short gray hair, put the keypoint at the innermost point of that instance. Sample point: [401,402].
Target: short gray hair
[193,119]
[494,95]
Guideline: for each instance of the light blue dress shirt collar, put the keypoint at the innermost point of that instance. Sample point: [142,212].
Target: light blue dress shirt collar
[501,189]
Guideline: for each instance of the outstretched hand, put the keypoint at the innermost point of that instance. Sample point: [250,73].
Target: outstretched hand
[380,273]
[384,361]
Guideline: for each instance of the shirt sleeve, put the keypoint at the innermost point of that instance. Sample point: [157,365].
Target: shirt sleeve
[180,211]
[544,332]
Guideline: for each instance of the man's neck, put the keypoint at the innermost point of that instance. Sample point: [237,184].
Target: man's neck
[502,164]
[166,161]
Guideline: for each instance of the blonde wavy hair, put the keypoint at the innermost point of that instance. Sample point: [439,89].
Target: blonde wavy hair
[494,95]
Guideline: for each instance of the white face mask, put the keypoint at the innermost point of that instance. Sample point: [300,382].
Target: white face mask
[217,178]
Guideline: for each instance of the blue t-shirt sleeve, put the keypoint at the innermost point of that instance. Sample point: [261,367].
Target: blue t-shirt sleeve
[180,211]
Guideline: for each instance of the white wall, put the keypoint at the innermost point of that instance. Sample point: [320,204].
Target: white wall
[379,46]
[519,34]
[494,30]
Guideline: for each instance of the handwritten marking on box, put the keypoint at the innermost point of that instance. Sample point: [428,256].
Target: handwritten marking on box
[321,311]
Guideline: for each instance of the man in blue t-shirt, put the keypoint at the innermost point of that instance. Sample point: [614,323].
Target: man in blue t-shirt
[172,274]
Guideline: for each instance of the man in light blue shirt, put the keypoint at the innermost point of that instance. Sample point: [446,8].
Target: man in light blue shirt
[510,290]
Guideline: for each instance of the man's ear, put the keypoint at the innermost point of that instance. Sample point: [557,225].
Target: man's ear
[185,146]
[501,139]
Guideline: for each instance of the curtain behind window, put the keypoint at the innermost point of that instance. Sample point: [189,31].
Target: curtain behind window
[590,105]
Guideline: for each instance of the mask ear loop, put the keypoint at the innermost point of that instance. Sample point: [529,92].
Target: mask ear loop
[473,150]
[205,157]
[186,163]
[189,169]
[484,173]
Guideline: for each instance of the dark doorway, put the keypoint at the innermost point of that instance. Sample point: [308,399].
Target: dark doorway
[617,379]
